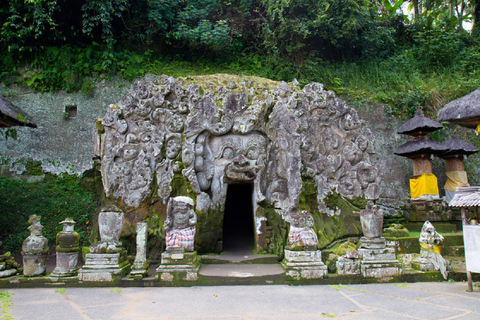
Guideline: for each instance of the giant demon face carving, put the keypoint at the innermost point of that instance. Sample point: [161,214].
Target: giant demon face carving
[231,158]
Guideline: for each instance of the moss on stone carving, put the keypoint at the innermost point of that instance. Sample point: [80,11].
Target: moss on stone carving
[279,236]
[331,228]
[209,229]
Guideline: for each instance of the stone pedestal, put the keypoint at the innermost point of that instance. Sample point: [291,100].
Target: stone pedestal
[34,264]
[66,265]
[377,260]
[178,266]
[304,264]
[140,265]
[349,264]
[103,267]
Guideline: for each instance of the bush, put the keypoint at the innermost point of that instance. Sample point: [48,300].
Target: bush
[53,200]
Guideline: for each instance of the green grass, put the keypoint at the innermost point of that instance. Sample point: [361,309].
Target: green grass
[6,301]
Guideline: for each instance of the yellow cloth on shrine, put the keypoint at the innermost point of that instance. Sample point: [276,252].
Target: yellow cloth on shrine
[435,248]
[425,184]
[456,179]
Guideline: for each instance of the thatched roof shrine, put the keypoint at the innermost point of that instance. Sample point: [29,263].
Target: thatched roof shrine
[419,125]
[464,111]
[455,146]
[421,146]
[466,197]
[11,115]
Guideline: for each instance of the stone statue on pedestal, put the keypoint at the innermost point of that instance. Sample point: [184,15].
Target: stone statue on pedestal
[180,224]
[107,259]
[302,257]
[430,259]
[179,261]
[34,249]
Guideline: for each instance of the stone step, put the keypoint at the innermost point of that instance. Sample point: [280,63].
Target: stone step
[249,258]
[441,227]
[240,270]
[455,251]
[411,244]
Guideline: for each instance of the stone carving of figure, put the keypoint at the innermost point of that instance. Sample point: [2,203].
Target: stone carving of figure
[180,224]
[301,235]
[430,249]
[173,145]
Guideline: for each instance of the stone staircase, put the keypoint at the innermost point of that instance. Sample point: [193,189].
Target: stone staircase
[240,264]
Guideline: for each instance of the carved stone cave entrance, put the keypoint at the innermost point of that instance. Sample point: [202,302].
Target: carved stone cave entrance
[238,221]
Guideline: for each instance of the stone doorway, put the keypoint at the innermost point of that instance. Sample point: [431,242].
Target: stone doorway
[238,222]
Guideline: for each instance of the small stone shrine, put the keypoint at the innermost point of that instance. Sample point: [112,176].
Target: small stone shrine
[67,249]
[430,258]
[425,200]
[378,261]
[302,257]
[179,261]
[457,151]
[140,265]
[34,249]
[107,259]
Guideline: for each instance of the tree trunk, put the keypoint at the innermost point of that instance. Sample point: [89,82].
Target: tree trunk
[476,17]
[415,9]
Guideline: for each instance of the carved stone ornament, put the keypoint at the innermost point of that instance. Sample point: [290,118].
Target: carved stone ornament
[217,137]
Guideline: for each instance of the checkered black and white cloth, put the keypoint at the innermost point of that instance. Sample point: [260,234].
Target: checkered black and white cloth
[306,236]
[183,238]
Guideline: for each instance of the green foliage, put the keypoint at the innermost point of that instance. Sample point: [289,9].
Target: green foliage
[53,200]
[101,14]
[8,133]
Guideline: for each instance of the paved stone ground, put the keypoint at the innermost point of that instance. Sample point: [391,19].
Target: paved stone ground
[432,300]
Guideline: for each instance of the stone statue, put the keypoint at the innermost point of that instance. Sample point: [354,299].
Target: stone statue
[301,235]
[34,249]
[430,259]
[180,224]
[67,249]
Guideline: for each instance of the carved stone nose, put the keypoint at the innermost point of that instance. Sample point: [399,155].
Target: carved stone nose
[240,160]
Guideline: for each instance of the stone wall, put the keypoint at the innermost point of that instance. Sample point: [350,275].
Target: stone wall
[68,145]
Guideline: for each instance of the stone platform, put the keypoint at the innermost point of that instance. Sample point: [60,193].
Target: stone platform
[103,267]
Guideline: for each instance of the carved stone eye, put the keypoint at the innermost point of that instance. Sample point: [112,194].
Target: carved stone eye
[228,153]
[252,153]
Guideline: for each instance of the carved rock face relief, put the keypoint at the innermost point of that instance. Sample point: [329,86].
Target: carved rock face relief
[216,137]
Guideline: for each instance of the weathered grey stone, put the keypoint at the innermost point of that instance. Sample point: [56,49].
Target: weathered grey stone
[304,265]
[67,250]
[371,219]
[430,258]
[348,266]
[34,249]
[101,267]
[378,261]
[178,266]
[107,259]
[140,265]
[110,224]
[231,137]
